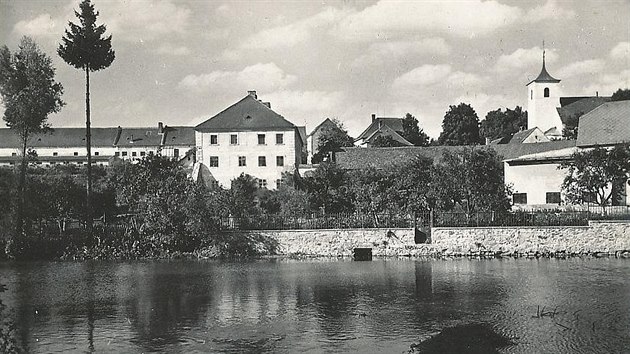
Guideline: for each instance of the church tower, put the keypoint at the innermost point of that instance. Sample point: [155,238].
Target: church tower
[543,97]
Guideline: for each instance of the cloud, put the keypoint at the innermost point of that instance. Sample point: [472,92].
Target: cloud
[425,76]
[170,49]
[585,67]
[263,77]
[523,58]
[393,19]
[42,25]
[145,20]
[306,107]
[295,33]
[609,83]
[621,51]
[390,52]
[548,11]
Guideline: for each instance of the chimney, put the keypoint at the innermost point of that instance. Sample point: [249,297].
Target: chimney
[160,128]
[373,117]
[131,139]
[118,133]
[596,93]
[268,104]
[487,141]
[253,94]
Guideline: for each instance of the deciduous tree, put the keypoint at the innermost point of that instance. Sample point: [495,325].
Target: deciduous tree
[460,126]
[499,124]
[596,175]
[412,132]
[331,140]
[29,94]
[86,48]
[621,95]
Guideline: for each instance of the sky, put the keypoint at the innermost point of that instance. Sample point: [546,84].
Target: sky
[182,62]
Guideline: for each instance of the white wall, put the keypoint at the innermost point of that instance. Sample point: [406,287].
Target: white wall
[248,147]
[535,180]
[541,110]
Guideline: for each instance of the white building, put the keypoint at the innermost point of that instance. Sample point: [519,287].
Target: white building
[543,101]
[247,137]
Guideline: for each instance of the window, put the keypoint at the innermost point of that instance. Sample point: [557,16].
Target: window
[214,139]
[55,154]
[262,161]
[134,153]
[233,139]
[519,198]
[278,183]
[13,154]
[546,91]
[279,139]
[53,162]
[242,161]
[95,153]
[531,94]
[261,139]
[176,152]
[262,183]
[117,153]
[214,184]
[279,160]
[142,153]
[76,153]
[214,161]
[124,153]
[553,198]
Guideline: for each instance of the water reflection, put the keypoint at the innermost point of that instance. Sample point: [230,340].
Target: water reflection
[314,306]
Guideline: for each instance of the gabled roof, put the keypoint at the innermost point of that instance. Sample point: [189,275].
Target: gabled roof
[544,75]
[582,105]
[520,137]
[394,123]
[607,124]
[248,114]
[385,130]
[178,135]
[548,156]
[61,137]
[302,132]
[325,123]
[381,158]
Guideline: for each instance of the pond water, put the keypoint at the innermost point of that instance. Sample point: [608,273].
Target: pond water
[288,306]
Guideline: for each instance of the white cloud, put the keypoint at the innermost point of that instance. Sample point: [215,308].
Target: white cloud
[579,68]
[425,76]
[389,19]
[391,51]
[170,49]
[548,11]
[306,107]
[621,51]
[42,25]
[295,33]
[608,84]
[523,58]
[145,20]
[263,77]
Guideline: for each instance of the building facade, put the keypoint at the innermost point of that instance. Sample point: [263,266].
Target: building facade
[247,137]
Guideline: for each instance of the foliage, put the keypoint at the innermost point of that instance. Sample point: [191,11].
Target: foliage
[286,201]
[328,190]
[85,48]
[29,94]
[243,196]
[8,333]
[621,95]
[499,124]
[460,126]
[412,183]
[599,172]
[471,179]
[373,191]
[385,141]
[570,129]
[412,132]
[331,140]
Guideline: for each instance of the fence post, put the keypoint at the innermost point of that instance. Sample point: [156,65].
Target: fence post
[431,218]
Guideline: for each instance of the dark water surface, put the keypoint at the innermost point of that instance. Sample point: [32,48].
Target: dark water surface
[315,306]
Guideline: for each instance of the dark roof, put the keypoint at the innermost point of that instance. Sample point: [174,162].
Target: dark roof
[151,136]
[394,123]
[302,132]
[519,137]
[326,123]
[359,158]
[544,75]
[245,115]
[385,130]
[607,124]
[581,106]
[60,137]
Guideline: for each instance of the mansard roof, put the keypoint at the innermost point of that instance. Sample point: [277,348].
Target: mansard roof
[248,114]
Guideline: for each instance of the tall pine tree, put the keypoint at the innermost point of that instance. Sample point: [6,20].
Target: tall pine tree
[86,48]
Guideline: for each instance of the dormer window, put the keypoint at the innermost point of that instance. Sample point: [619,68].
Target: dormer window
[546,92]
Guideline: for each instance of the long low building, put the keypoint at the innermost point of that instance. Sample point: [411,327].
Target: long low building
[67,145]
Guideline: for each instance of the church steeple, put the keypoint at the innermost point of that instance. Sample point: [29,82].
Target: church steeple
[544,76]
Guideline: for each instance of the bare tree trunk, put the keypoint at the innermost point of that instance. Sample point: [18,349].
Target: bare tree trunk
[88,143]
[19,225]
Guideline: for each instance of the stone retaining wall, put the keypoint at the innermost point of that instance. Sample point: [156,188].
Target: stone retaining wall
[598,237]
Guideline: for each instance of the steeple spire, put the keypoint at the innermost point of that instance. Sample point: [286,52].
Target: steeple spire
[544,75]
